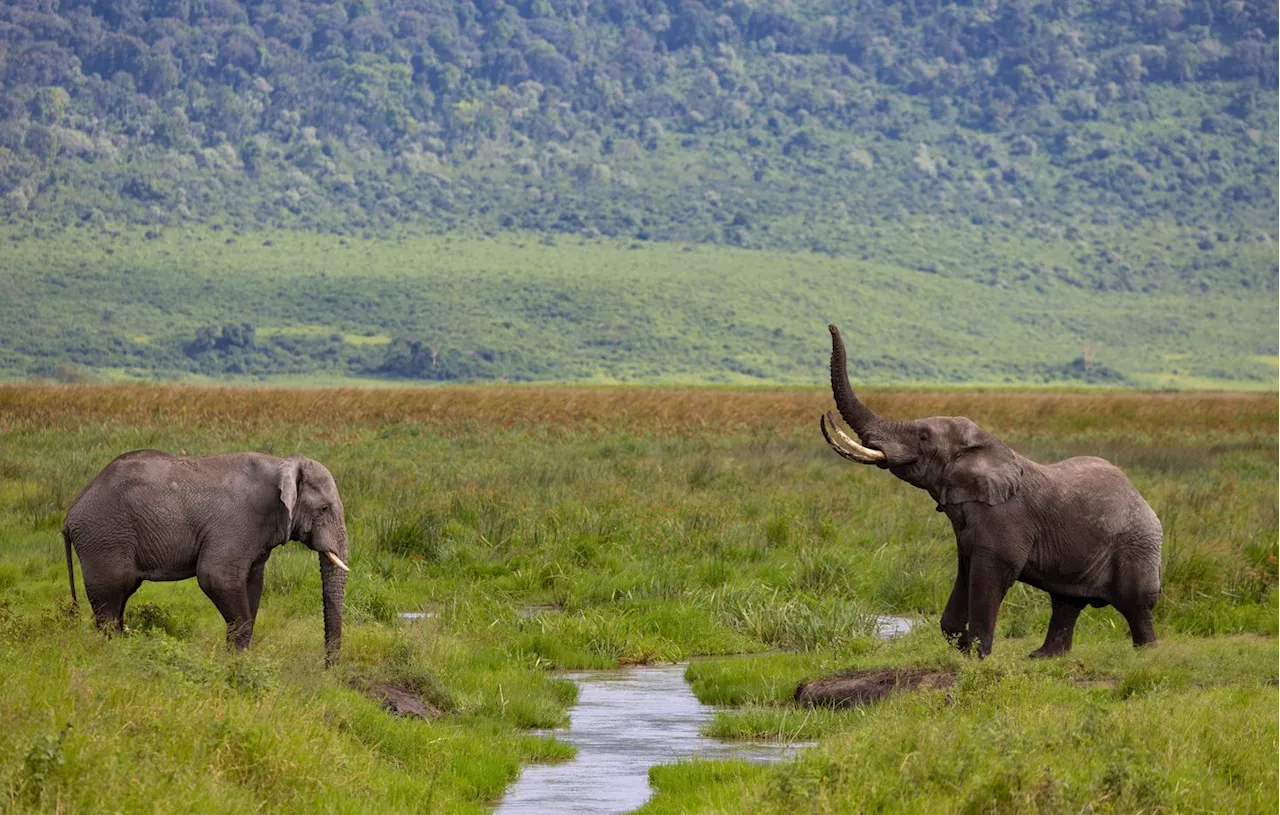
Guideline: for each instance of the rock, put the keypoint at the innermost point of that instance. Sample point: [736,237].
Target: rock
[862,687]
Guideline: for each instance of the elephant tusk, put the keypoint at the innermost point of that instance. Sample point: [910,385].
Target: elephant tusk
[337,561]
[850,444]
[846,446]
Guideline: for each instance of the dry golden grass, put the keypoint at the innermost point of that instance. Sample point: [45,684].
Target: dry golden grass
[1156,416]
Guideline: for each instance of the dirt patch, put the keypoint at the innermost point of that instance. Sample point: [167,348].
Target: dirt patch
[853,688]
[397,699]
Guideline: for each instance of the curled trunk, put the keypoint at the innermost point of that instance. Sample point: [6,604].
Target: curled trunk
[856,415]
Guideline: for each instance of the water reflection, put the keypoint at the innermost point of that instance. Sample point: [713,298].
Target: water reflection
[625,722]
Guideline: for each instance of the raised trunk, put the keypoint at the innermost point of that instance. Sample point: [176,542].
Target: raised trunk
[856,415]
[333,585]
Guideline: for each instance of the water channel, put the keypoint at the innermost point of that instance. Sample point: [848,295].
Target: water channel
[624,722]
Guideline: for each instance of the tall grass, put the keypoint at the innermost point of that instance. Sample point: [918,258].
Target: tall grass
[549,528]
[1165,430]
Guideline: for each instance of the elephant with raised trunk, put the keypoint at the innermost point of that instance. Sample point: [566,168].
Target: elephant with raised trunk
[1076,529]
[150,515]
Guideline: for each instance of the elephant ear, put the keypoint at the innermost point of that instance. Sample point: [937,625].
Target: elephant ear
[988,472]
[290,480]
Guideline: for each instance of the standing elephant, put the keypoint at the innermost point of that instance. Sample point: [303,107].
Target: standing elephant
[1076,529]
[153,516]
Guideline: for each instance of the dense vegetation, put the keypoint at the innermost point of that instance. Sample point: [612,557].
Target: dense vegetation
[642,526]
[316,307]
[1071,190]
[754,124]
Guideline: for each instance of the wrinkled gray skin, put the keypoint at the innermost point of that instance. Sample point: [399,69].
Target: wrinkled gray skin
[1076,529]
[153,516]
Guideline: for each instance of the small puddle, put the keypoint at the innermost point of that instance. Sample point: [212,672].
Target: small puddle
[410,616]
[528,612]
[625,721]
[889,626]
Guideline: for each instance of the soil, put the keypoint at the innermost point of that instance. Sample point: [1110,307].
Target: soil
[863,687]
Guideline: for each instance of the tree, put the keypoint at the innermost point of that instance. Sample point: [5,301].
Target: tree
[250,153]
[49,105]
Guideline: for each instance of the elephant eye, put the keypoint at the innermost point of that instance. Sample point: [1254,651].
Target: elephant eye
[924,435]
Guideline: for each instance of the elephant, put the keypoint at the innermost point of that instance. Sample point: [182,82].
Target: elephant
[1077,529]
[149,515]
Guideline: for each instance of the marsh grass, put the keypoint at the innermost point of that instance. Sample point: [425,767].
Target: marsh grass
[1187,725]
[563,528]
[422,537]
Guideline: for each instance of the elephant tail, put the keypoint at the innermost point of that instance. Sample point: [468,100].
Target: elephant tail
[71,571]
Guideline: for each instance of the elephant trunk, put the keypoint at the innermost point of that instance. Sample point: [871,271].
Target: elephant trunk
[333,585]
[856,415]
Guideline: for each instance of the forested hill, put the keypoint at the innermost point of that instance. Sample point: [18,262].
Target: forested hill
[653,190]
[767,123]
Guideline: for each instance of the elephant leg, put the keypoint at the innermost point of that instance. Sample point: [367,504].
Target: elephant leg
[255,587]
[1062,624]
[955,617]
[989,581]
[108,599]
[231,596]
[1140,627]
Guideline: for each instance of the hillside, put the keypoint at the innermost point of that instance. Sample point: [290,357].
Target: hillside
[317,308]
[728,122]
[1079,178]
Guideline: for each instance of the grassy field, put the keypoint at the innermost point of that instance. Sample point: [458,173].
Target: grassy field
[645,525]
[946,306]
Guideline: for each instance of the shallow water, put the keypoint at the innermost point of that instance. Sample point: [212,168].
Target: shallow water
[626,721]
[523,611]
[889,626]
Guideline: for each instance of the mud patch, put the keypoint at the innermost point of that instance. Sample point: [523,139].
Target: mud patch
[397,699]
[864,687]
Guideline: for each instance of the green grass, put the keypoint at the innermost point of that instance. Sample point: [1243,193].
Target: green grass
[1186,726]
[646,526]
[327,310]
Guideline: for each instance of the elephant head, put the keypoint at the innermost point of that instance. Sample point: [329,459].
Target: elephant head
[949,456]
[314,516]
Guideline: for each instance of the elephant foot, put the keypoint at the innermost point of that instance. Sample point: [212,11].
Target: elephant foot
[1046,653]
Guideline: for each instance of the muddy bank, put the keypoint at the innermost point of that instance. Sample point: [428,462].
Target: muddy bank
[863,687]
[399,700]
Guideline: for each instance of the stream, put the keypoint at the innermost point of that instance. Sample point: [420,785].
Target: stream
[624,722]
